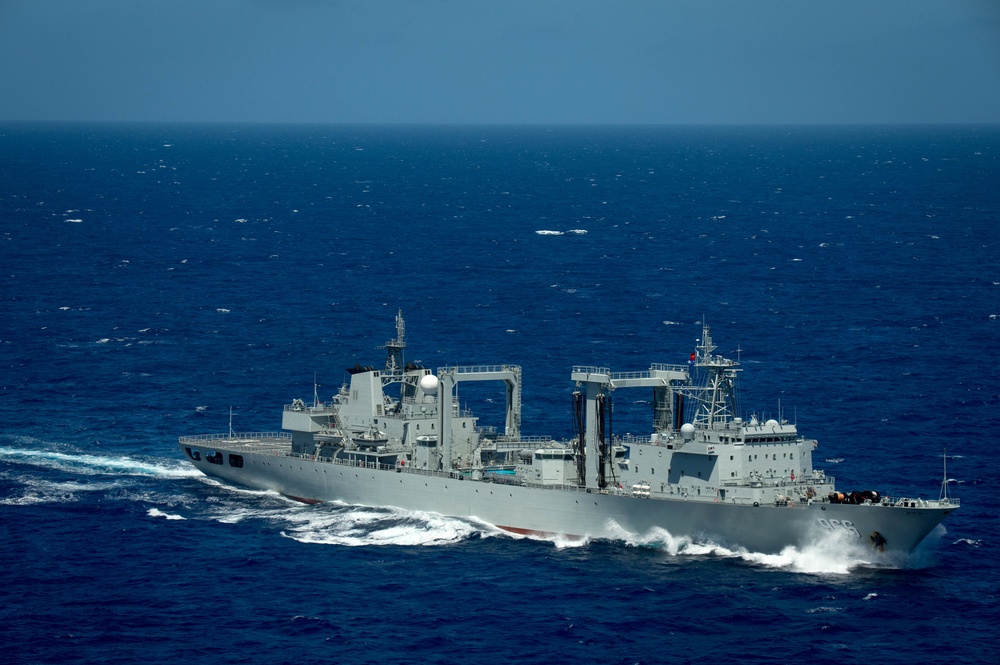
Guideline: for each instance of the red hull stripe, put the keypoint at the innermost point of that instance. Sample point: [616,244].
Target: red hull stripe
[299,498]
[539,534]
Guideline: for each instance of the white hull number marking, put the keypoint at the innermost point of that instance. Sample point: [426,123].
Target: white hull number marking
[839,525]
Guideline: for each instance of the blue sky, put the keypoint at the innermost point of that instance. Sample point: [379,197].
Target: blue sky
[516,61]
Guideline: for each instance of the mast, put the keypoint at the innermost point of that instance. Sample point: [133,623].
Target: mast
[943,496]
[394,351]
[718,403]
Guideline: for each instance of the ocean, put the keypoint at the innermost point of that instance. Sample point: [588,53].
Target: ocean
[160,280]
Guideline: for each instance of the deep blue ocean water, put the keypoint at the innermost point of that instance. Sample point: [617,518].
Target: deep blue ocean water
[154,277]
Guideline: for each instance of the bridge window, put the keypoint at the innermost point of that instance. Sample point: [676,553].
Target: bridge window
[193,454]
[236,461]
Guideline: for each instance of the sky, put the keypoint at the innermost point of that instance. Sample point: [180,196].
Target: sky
[502,62]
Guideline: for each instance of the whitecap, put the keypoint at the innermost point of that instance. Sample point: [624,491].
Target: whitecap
[33,498]
[332,524]
[563,542]
[827,554]
[156,512]
[824,609]
[832,554]
[40,491]
[241,510]
[88,464]
[968,541]
[658,538]
[546,232]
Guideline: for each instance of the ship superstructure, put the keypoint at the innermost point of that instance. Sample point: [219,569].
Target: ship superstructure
[398,436]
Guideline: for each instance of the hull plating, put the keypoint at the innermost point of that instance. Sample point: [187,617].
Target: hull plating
[579,513]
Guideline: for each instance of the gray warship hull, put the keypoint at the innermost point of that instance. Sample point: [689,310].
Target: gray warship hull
[703,473]
[564,512]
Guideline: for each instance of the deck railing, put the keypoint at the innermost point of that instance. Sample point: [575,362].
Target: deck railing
[264,442]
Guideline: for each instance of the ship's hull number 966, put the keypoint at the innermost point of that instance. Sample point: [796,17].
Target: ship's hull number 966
[839,525]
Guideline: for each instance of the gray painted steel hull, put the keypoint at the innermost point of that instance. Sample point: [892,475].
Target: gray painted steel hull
[578,513]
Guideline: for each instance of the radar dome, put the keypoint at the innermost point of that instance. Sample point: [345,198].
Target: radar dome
[687,431]
[771,423]
[429,384]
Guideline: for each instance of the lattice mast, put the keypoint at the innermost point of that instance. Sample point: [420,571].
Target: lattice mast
[718,403]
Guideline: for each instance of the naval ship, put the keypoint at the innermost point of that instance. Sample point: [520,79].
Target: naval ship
[398,436]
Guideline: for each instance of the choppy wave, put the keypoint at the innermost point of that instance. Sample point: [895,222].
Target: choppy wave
[33,491]
[89,464]
[52,476]
[389,526]
[156,512]
[828,554]
[336,523]
[970,542]
[551,232]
